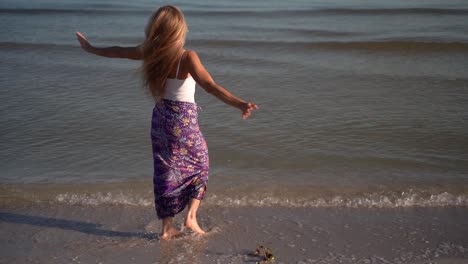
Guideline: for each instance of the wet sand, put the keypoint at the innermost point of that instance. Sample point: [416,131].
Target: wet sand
[45,233]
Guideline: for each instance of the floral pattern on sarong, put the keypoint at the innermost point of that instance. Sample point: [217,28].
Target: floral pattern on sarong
[180,156]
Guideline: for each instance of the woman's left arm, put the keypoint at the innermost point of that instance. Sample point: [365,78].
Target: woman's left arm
[133,53]
[204,79]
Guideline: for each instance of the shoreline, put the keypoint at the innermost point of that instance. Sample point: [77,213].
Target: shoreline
[139,193]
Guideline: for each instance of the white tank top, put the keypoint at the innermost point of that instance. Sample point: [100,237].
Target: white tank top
[180,90]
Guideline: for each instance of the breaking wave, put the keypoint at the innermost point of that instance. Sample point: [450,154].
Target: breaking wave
[372,200]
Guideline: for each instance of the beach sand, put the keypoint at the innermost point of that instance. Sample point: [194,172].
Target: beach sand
[56,233]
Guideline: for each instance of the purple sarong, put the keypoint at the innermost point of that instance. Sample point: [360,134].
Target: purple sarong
[180,156]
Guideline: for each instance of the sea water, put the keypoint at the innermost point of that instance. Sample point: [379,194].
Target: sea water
[362,103]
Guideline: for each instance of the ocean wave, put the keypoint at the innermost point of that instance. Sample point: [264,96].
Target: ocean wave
[139,193]
[367,201]
[392,11]
[382,45]
[379,45]
[329,11]
[33,46]
[245,13]
[103,198]
[371,200]
[86,11]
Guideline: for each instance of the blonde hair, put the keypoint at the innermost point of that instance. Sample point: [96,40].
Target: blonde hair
[165,38]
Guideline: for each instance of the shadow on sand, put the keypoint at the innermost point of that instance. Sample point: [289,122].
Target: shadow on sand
[84,227]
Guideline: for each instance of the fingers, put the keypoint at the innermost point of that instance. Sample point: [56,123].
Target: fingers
[82,39]
[80,35]
[84,43]
[252,106]
[245,115]
[248,110]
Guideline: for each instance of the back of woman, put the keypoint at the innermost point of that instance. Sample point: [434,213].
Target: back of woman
[180,152]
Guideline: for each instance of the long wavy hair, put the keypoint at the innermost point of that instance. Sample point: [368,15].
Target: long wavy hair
[165,38]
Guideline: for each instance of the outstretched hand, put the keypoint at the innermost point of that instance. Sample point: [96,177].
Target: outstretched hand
[83,42]
[247,108]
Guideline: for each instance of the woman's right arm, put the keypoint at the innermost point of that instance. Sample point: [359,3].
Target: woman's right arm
[133,53]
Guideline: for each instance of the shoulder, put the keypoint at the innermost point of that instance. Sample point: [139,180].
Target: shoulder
[190,53]
[192,56]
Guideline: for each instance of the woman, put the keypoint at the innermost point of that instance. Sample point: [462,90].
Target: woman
[180,153]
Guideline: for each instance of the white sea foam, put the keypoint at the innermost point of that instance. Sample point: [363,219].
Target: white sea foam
[372,200]
[103,198]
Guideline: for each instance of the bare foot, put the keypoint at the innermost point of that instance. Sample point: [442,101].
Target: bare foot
[171,233]
[192,224]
